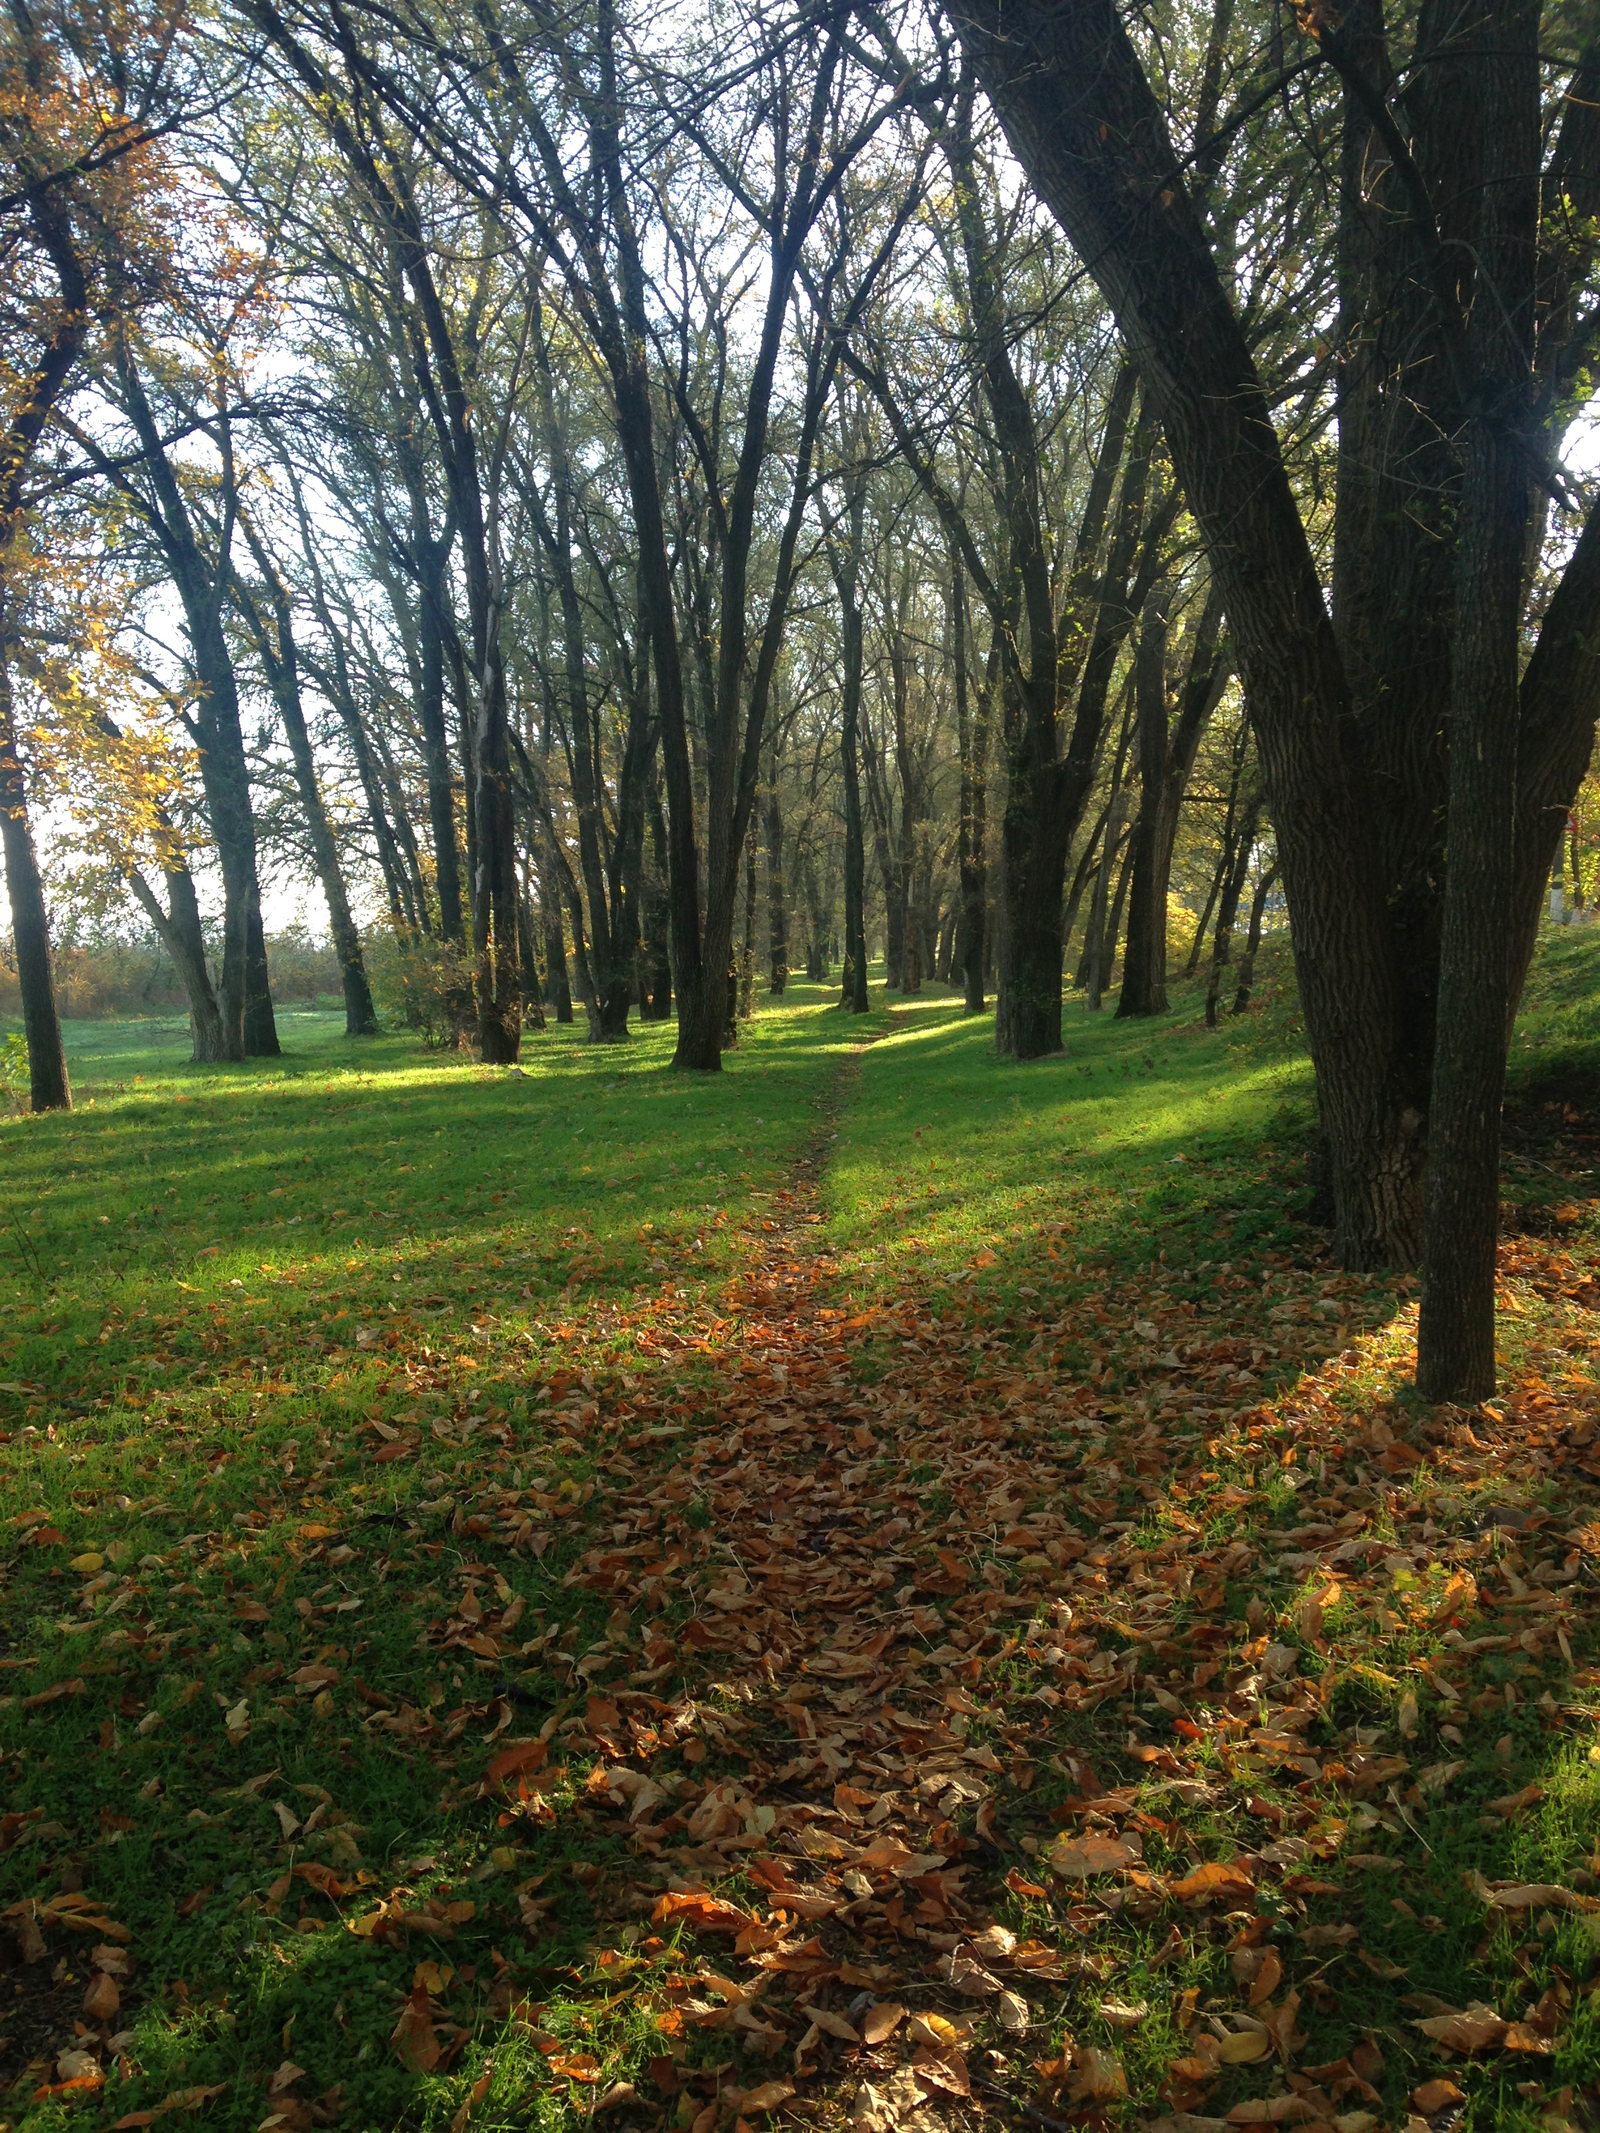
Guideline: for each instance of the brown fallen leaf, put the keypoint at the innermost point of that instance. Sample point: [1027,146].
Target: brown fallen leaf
[1243,2047]
[1096,2075]
[881,2021]
[102,1999]
[1474,2029]
[1432,2096]
[413,2037]
[1267,1978]
[1082,1858]
[705,1914]
[835,2025]
[583,2066]
[767,2097]
[1538,1896]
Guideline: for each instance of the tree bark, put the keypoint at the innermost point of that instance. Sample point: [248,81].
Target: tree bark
[777,909]
[1084,124]
[1455,1329]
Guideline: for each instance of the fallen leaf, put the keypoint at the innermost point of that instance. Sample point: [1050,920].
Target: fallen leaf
[1243,2047]
[414,2041]
[1474,2029]
[881,2021]
[1216,1879]
[1082,1858]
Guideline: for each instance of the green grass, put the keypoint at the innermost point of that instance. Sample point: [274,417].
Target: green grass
[1141,1136]
[347,1186]
[298,1351]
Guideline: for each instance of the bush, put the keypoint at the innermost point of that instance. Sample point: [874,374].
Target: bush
[101,977]
[14,1083]
[426,984]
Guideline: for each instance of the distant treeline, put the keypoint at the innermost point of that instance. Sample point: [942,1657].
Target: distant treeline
[135,976]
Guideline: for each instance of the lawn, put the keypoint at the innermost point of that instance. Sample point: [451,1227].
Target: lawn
[888,1582]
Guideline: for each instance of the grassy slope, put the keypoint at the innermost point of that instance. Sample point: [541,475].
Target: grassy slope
[330,1255]
[1136,1128]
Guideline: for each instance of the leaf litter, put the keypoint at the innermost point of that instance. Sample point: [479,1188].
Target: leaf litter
[927,1727]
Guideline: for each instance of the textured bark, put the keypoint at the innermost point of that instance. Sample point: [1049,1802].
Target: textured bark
[1083,121]
[200,580]
[845,554]
[972,739]
[1455,1328]
[777,908]
[52,225]
[1144,969]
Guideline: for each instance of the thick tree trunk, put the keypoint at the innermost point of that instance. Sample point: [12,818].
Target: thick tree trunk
[1455,1328]
[260,1025]
[48,1086]
[1085,126]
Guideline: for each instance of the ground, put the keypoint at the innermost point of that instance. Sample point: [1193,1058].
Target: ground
[884,1585]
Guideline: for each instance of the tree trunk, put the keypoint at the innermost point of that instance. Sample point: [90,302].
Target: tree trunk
[777,910]
[747,952]
[847,580]
[282,665]
[1086,128]
[1144,968]
[431,559]
[48,1086]
[180,934]
[1455,1327]
[1252,941]
[1228,911]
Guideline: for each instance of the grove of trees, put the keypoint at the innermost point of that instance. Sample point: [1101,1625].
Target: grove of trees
[628,504]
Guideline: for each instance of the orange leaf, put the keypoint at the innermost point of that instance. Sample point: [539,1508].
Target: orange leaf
[1213,1880]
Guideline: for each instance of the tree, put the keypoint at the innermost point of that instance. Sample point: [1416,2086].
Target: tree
[1356,714]
[82,105]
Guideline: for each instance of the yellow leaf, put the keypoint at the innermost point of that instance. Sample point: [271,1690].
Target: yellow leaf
[1244,2047]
